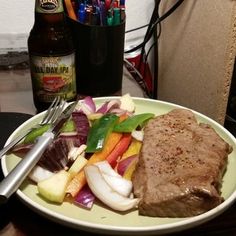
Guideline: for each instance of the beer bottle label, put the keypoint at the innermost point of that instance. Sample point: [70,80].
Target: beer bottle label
[52,76]
[49,6]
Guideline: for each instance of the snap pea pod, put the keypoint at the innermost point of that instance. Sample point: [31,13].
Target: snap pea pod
[69,126]
[30,138]
[99,131]
[132,122]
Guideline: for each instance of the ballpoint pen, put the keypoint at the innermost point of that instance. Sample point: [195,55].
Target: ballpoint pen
[81,13]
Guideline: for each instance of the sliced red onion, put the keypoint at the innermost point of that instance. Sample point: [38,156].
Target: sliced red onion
[103,108]
[124,164]
[118,111]
[88,106]
[85,197]
[108,106]
[113,104]
[21,149]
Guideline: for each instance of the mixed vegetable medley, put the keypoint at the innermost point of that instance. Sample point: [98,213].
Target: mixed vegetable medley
[93,157]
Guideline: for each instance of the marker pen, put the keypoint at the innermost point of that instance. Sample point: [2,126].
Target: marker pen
[110,17]
[116,18]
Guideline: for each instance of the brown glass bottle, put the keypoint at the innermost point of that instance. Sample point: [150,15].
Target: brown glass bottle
[51,55]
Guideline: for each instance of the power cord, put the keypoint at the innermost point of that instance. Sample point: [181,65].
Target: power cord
[152,26]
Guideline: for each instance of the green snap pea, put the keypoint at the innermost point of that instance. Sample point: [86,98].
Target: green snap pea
[132,122]
[30,138]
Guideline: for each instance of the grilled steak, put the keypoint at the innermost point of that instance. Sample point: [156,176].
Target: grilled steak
[180,167]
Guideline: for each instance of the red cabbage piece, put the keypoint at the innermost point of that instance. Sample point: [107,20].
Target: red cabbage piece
[55,157]
[82,126]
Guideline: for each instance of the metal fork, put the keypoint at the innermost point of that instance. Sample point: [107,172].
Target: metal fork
[50,116]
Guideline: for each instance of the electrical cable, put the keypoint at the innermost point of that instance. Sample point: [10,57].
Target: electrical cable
[152,27]
[135,29]
[156,62]
[155,16]
[155,32]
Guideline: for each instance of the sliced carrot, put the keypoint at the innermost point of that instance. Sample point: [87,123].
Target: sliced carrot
[119,149]
[79,180]
[70,9]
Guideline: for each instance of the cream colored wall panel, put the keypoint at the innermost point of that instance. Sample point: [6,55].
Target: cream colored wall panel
[197,51]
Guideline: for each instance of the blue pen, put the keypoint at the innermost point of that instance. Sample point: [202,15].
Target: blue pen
[122,3]
[81,13]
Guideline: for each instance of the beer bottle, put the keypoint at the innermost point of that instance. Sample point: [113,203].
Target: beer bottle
[51,55]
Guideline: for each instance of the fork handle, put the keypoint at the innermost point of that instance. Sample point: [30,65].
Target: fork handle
[13,143]
[15,178]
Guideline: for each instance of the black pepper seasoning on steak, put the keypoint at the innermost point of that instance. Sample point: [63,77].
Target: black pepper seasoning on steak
[180,167]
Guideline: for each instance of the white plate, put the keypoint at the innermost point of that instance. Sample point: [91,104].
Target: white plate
[103,220]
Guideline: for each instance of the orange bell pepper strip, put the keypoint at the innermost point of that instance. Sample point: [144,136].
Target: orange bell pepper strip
[119,149]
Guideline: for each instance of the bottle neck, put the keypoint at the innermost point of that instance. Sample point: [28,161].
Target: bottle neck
[49,12]
[49,6]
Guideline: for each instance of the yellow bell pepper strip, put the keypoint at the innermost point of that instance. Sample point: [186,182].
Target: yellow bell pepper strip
[79,179]
[119,149]
[134,149]
[130,170]
[99,132]
[131,123]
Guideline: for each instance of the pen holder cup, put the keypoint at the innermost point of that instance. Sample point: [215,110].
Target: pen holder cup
[99,58]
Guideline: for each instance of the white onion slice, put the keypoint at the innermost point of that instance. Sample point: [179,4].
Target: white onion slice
[105,193]
[138,135]
[38,174]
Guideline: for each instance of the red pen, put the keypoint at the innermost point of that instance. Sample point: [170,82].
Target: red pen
[107,4]
[115,4]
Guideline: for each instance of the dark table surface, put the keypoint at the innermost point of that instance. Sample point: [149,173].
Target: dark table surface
[16,219]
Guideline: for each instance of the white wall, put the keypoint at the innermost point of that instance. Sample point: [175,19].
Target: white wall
[17,17]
